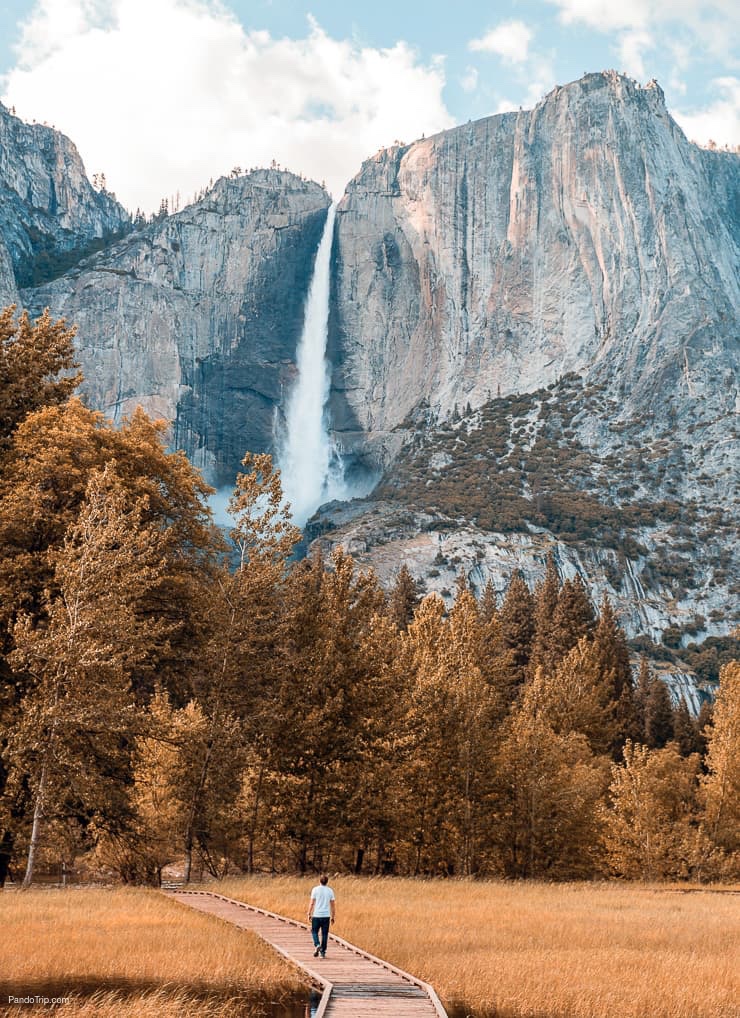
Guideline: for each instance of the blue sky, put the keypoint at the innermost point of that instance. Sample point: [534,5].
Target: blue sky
[161,95]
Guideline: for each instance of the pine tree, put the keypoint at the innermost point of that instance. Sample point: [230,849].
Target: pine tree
[658,716]
[517,627]
[645,680]
[573,617]
[488,605]
[545,599]
[684,730]
[403,598]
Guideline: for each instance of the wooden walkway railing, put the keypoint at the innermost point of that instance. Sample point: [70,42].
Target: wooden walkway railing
[353,983]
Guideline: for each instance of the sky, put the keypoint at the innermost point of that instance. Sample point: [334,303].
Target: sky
[163,95]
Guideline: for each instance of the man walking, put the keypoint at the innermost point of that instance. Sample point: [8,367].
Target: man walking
[320,914]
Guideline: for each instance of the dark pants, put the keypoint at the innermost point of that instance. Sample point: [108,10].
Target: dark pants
[320,925]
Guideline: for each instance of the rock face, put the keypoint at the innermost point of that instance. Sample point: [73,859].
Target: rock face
[49,212]
[480,273]
[197,316]
[533,337]
[586,235]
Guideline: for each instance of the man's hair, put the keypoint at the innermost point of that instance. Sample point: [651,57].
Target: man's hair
[323,879]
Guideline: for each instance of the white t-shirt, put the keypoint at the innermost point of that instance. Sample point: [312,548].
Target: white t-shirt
[321,895]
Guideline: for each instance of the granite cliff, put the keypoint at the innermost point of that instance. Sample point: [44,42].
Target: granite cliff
[196,316]
[535,342]
[533,337]
[50,214]
[586,235]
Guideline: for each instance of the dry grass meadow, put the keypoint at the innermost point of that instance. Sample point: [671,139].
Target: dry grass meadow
[540,950]
[125,953]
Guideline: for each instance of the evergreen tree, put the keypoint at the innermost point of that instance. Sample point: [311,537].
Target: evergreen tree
[516,620]
[403,598]
[573,618]
[612,654]
[658,716]
[544,652]
[488,604]
[685,734]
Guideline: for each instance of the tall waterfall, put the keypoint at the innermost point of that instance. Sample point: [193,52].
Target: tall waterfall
[310,467]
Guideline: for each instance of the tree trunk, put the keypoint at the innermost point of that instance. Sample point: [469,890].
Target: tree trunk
[358,861]
[38,814]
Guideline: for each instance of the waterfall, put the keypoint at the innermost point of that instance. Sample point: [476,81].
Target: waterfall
[309,464]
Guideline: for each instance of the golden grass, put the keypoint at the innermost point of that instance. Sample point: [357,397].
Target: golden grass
[539,950]
[133,953]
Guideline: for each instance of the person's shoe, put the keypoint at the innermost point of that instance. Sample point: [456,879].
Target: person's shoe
[316,952]
[323,954]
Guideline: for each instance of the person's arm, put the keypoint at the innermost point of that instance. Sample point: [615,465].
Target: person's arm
[310,908]
[333,910]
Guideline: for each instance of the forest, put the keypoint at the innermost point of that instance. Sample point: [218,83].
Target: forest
[169,693]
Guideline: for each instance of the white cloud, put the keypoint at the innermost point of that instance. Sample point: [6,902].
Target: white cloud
[632,48]
[469,80]
[713,24]
[720,120]
[510,40]
[163,95]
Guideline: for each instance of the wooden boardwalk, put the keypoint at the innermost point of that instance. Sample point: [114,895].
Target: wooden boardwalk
[353,983]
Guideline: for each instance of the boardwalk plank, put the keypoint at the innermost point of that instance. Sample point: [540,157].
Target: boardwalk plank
[354,983]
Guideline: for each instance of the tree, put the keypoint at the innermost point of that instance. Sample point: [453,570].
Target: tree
[32,357]
[573,617]
[83,656]
[517,627]
[721,785]
[577,696]
[649,825]
[658,715]
[545,603]
[242,654]
[329,705]
[548,788]
[403,598]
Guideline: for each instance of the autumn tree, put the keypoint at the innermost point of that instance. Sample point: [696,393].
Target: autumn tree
[544,806]
[651,820]
[237,675]
[33,356]
[721,785]
[82,654]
